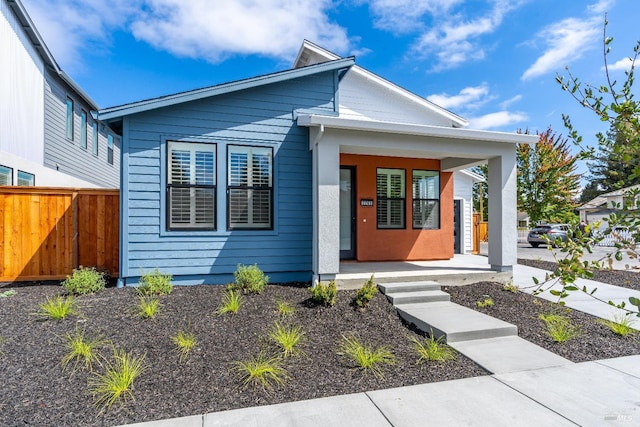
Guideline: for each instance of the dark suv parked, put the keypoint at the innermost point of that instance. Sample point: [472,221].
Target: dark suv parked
[552,232]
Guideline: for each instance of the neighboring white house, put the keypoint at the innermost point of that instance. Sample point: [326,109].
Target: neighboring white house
[463,181]
[47,134]
[604,205]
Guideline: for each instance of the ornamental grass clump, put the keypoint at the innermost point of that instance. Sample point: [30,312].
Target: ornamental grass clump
[148,307]
[84,280]
[559,327]
[81,349]
[620,324]
[231,302]
[324,294]
[58,308]
[261,371]
[285,308]
[288,338]
[367,358]
[154,283]
[485,303]
[250,279]
[365,293]
[116,383]
[185,342]
[431,349]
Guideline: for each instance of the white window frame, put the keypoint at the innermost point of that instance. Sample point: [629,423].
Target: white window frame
[192,185]
[110,149]
[70,119]
[251,188]
[425,210]
[83,129]
[386,202]
[95,137]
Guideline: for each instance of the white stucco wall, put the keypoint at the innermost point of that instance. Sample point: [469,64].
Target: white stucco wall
[44,176]
[21,93]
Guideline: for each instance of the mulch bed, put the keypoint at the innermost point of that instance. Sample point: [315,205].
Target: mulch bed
[595,342]
[37,391]
[626,279]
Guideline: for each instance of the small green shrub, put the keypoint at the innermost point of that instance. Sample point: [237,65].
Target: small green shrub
[185,342]
[324,294]
[285,308]
[148,307]
[620,324]
[559,327]
[485,303]
[84,280]
[287,338]
[116,383]
[263,371]
[367,358]
[231,302]
[81,349]
[250,279]
[7,294]
[154,283]
[58,307]
[365,293]
[510,287]
[431,349]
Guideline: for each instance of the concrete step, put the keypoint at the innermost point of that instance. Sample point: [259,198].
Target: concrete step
[503,355]
[422,285]
[454,322]
[417,297]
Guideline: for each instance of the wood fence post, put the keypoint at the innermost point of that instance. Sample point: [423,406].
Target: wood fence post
[74,238]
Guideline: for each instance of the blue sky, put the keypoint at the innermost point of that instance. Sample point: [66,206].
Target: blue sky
[493,62]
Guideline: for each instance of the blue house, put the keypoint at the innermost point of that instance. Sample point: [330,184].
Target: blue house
[277,170]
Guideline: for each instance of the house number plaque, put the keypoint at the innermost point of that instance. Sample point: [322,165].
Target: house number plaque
[366,203]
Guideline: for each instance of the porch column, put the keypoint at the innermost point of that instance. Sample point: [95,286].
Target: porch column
[326,208]
[503,233]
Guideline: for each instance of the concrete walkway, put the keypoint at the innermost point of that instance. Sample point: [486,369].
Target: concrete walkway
[530,386]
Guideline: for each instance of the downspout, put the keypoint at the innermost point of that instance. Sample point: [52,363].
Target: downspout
[316,277]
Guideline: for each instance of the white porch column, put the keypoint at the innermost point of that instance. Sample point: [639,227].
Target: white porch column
[326,208]
[503,233]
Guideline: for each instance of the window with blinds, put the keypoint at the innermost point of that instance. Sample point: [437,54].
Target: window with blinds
[191,186]
[250,188]
[26,179]
[6,175]
[390,204]
[426,199]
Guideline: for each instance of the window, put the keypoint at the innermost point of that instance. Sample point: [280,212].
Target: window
[26,179]
[70,119]
[390,190]
[426,199]
[250,188]
[110,149]
[94,127]
[83,129]
[191,185]
[6,175]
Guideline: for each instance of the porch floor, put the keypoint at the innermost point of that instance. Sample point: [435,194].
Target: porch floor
[460,270]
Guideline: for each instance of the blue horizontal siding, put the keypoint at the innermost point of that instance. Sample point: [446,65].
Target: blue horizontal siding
[259,116]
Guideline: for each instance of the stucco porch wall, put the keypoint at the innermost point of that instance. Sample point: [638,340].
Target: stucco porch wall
[407,244]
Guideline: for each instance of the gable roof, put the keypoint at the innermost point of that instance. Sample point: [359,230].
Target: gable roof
[602,200]
[309,50]
[40,46]
[114,113]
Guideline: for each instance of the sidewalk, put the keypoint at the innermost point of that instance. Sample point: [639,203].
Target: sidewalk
[604,392]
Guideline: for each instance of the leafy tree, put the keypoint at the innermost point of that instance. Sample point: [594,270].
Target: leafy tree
[481,192]
[617,106]
[547,179]
[590,192]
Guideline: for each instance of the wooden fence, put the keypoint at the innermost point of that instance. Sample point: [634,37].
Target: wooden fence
[47,232]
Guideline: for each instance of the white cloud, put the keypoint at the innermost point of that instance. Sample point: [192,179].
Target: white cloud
[404,16]
[194,28]
[507,103]
[623,64]
[468,98]
[496,120]
[568,40]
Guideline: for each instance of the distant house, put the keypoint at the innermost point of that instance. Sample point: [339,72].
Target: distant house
[48,136]
[604,205]
[301,170]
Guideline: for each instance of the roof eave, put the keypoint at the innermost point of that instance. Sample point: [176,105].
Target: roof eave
[312,120]
[117,112]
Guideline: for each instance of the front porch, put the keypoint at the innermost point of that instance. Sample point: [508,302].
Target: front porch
[462,269]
